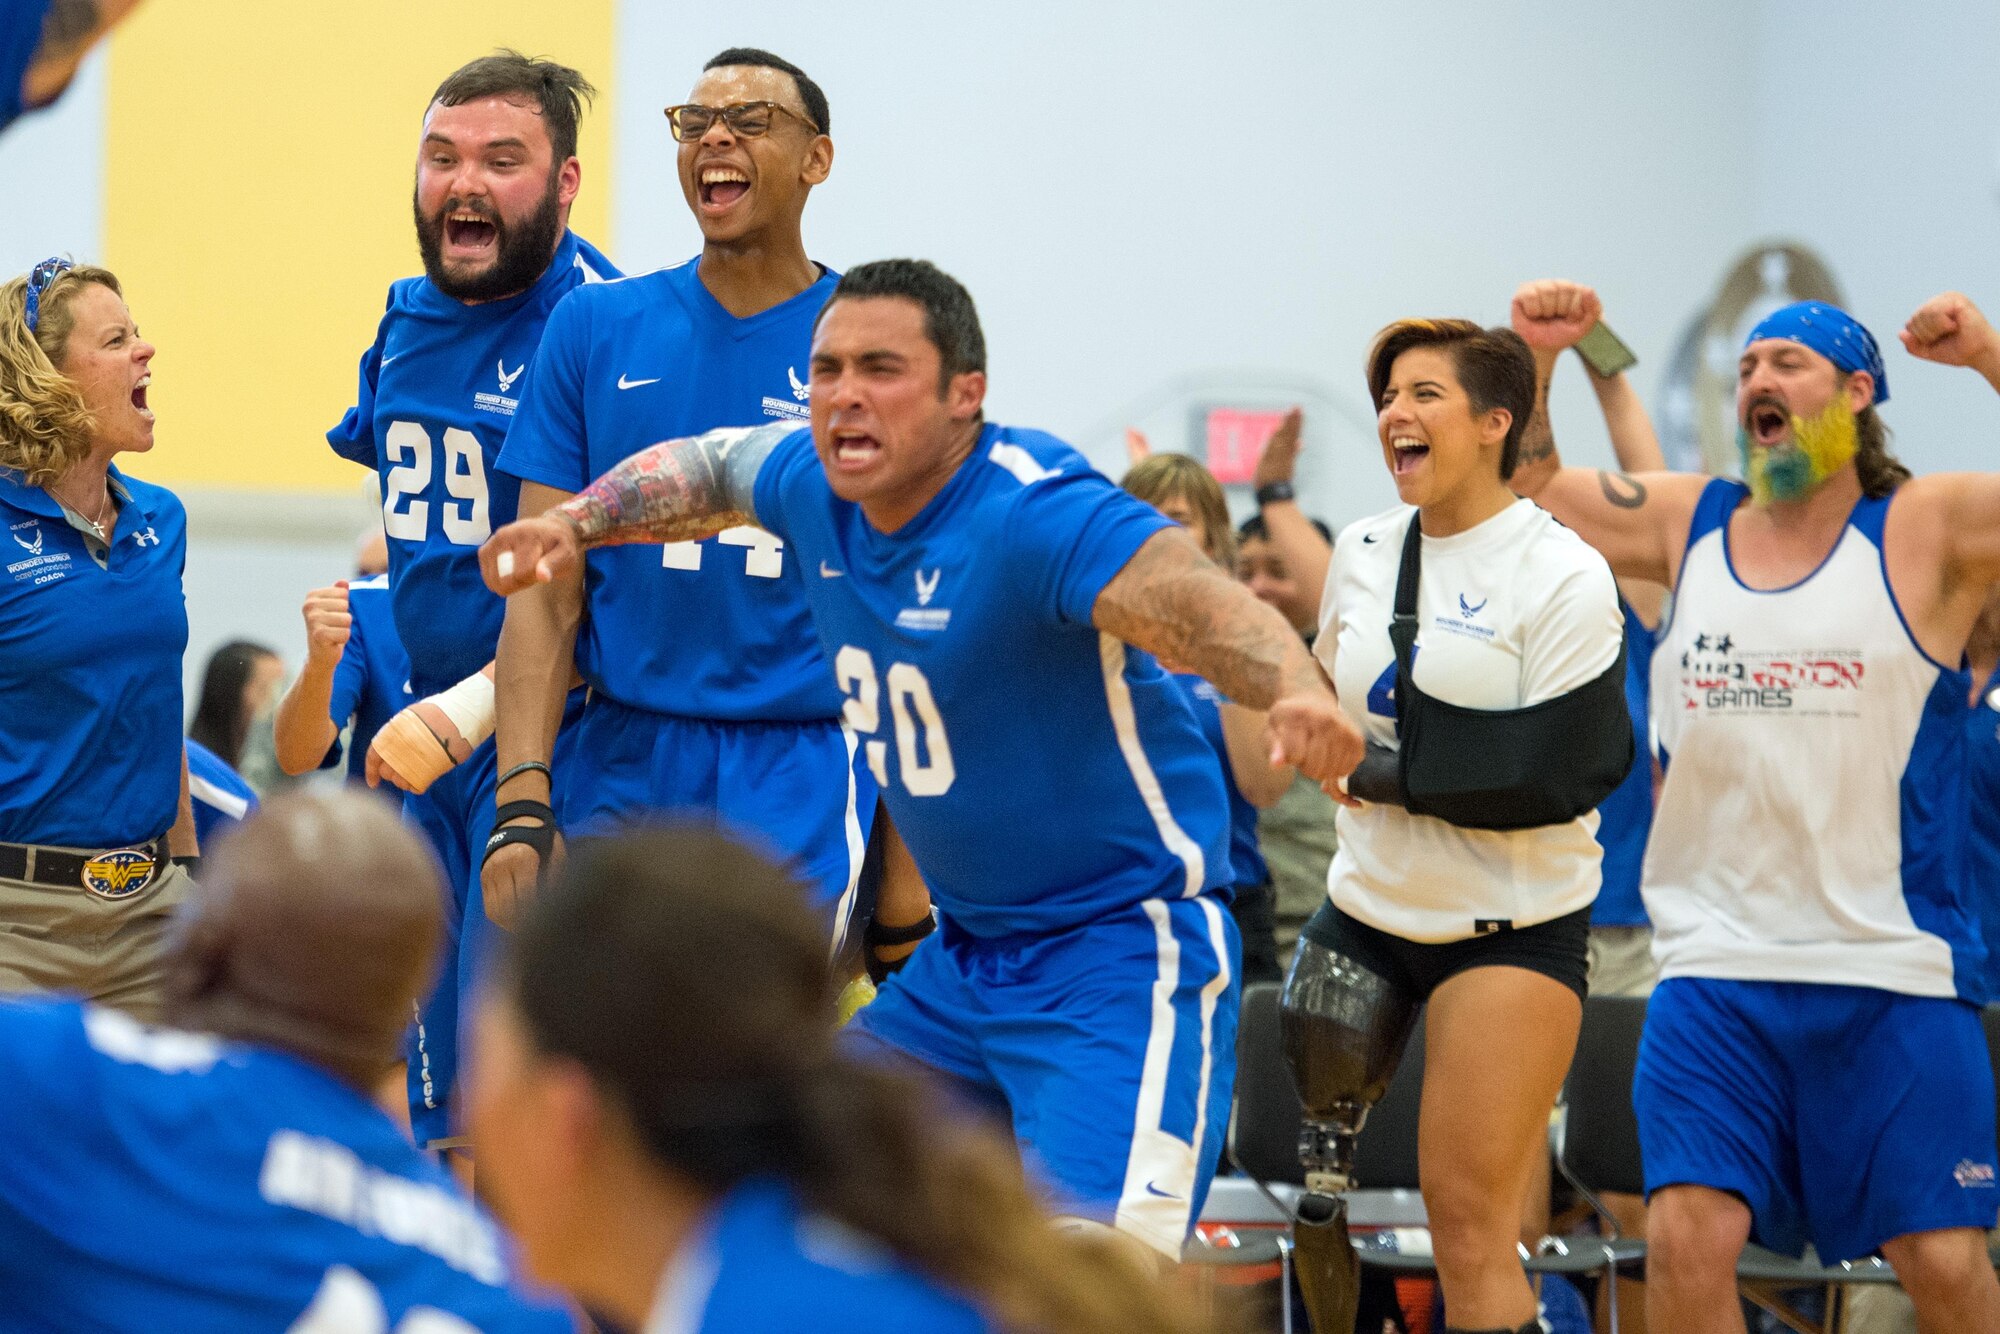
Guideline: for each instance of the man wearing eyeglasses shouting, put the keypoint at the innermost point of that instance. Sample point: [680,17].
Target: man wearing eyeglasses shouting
[709,693]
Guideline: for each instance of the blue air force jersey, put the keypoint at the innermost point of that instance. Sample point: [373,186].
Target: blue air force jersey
[761,1262]
[438,392]
[90,669]
[716,629]
[161,1180]
[1044,774]
[1982,770]
[1625,819]
[371,684]
[218,794]
[20,38]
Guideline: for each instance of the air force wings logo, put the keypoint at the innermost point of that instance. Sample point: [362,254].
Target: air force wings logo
[927,588]
[800,390]
[33,548]
[1471,609]
[118,875]
[507,377]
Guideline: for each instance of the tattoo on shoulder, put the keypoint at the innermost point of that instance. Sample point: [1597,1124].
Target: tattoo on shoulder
[1622,489]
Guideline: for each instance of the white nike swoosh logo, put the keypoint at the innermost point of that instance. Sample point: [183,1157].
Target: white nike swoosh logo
[828,572]
[386,360]
[624,383]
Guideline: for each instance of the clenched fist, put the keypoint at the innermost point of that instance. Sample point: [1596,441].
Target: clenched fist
[529,552]
[1552,315]
[328,624]
[1309,731]
[1950,330]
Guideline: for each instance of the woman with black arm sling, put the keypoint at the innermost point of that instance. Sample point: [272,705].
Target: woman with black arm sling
[1466,878]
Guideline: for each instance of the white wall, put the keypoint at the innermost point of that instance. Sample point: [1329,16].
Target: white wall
[51,177]
[1139,193]
[1887,160]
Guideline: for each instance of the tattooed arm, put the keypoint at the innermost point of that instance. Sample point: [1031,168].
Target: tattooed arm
[677,491]
[1174,602]
[1639,522]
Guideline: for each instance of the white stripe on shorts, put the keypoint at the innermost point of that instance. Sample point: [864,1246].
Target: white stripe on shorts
[857,851]
[1158,1195]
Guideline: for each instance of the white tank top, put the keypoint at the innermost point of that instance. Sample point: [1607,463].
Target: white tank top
[1812,827]
[1510,612]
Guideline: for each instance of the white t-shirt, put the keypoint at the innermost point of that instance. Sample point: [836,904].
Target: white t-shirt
[1511,612]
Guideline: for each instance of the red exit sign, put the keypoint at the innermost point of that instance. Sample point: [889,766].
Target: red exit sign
[1236,438]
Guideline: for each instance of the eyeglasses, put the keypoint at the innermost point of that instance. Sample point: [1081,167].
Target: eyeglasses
[748,119]
[39,279]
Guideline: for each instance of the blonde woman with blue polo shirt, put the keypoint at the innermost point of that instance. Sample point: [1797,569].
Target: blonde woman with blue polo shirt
[93,626]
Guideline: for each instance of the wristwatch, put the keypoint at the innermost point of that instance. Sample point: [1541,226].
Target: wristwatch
[1272,492]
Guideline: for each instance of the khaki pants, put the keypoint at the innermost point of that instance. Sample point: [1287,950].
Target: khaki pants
[55,939]
[1621,961]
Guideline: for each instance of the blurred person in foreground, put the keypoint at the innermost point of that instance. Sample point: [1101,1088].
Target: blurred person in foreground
[660,1112]
[230,1173]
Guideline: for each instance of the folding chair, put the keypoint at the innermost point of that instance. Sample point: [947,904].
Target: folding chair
[1597,1135]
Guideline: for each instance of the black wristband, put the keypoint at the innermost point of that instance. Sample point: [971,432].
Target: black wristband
[878,936]
[526,766]
[541,837]
[1271,493]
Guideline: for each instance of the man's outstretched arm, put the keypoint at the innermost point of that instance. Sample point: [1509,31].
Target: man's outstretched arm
[1175,603]
[676,491]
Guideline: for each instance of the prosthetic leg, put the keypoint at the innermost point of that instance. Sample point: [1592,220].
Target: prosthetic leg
[1345,1027]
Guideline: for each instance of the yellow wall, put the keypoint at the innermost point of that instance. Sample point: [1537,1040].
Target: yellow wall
[259,158]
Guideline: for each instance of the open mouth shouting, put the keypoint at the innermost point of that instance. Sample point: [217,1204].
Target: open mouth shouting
[1766,421]
[139,396]
[1407,453]
[721,185]
[854,450]
[470,235]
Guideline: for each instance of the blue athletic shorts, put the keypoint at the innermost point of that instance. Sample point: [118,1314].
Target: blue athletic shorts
[455,814]
[1112,1045]
[1844,1115]
[797,790]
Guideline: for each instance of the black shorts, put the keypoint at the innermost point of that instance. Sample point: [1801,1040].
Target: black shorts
[1559,948]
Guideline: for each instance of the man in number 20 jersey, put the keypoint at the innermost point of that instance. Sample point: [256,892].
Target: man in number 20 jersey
[708,691]
[438,391]
[991,606]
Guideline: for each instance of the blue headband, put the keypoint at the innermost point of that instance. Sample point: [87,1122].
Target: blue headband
[1831,332]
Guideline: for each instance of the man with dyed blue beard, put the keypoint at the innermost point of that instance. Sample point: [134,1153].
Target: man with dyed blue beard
[1813,1066]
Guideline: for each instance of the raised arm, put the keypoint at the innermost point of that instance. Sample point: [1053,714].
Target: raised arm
[1174,602]
[1638,521]
[1292,535]
[304,729]
[676,491]
[1961,509]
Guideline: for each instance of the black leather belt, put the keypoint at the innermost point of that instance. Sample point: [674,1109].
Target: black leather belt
[113,873]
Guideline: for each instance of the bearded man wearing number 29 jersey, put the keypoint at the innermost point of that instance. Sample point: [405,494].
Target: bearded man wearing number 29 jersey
[496,175]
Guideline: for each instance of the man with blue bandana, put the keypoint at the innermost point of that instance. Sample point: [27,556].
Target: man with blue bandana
[1813,1066]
